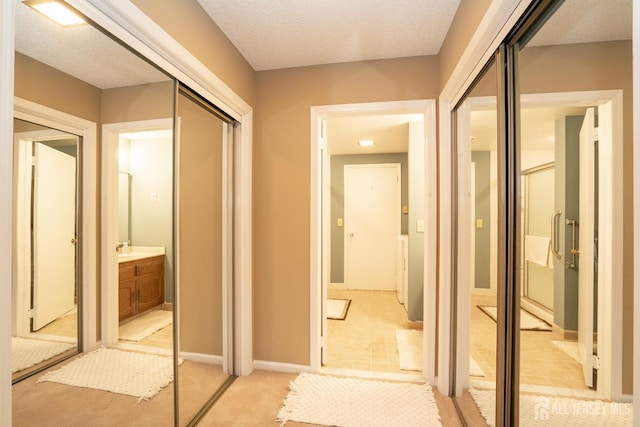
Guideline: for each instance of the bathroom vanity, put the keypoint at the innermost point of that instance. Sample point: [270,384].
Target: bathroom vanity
[141,282]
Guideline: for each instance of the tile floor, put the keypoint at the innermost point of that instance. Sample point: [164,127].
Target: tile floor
[541,363]
[160,339]
[65,325]
[366,339]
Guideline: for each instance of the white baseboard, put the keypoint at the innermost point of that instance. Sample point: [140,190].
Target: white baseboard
[337,286]
[201,358]
[280,367]
[483,291]
[627,398]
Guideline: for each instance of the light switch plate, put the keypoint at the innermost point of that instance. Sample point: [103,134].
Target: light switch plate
[339,222]
[479,223]
[420,226]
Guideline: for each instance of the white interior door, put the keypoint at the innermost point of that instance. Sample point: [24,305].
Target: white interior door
[372,225]
[586,243]
[54,206]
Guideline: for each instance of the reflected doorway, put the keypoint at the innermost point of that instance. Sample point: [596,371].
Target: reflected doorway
[46,289]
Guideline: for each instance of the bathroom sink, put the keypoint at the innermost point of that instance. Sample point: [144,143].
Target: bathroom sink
[140,252]
[128,257]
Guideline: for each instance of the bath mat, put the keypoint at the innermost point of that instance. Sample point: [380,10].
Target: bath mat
[140,328]
[474,369]
[570,348]
[409,344]
[337,308]
[133,374]
[26,353]
[539,410]
[528,322]
[350,402]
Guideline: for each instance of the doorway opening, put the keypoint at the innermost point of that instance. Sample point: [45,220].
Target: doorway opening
[371,224]
[138,228]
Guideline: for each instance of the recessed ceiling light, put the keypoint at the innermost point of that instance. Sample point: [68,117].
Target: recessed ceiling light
[365,143]
[56,11]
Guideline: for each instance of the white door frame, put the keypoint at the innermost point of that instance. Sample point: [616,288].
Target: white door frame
[35,113]
[22,162]
[320,255]
[109,220]
[610,232]
[398,202]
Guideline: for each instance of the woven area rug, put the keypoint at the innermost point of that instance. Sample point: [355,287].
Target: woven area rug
[29,352]
[134,374]
[347,402]
[409,344]
[140,328]
[337,308]
[537,410]
[528,322]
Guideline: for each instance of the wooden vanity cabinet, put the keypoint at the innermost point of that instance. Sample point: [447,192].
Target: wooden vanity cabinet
[141,285]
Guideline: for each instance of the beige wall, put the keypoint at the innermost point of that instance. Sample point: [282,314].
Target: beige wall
[47,86]
[282,183]
[595,66]
[189,24]
[134,103]
[200,216]
[464,24]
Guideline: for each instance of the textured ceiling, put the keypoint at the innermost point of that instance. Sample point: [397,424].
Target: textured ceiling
[82,52]
[291,33]
[584,21]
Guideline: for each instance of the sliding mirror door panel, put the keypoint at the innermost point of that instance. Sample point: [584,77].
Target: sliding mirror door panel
[81,78]
[575,127]
[205,248]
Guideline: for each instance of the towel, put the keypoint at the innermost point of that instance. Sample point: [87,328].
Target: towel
[538,250]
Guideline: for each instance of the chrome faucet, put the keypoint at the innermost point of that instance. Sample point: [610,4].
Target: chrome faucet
[122,247]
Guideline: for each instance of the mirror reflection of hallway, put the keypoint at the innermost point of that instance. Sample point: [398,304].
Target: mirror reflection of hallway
[45,322]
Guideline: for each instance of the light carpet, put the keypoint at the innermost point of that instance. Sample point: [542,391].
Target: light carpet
[29,352]
[528,322]
[570,348]
[140,328]
[337,308]
[537,410]
[134,374]
[332,401]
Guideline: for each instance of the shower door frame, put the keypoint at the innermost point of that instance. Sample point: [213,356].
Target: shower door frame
[531,305]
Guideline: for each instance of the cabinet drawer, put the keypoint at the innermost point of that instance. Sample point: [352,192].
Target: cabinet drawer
[126,273]
[153,267]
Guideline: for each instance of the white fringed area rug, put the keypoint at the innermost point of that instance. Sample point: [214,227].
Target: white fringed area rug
[29,352]
[350,402]
[558,411]
[140,328]
[134,374]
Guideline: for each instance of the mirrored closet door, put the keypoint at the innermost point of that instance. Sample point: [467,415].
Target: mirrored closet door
[204,138]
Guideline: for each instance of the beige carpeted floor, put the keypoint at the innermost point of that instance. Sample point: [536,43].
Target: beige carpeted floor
[252,400]
[51,404]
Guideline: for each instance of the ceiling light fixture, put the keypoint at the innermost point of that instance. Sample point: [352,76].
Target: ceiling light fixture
[57,11]
[365,143]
